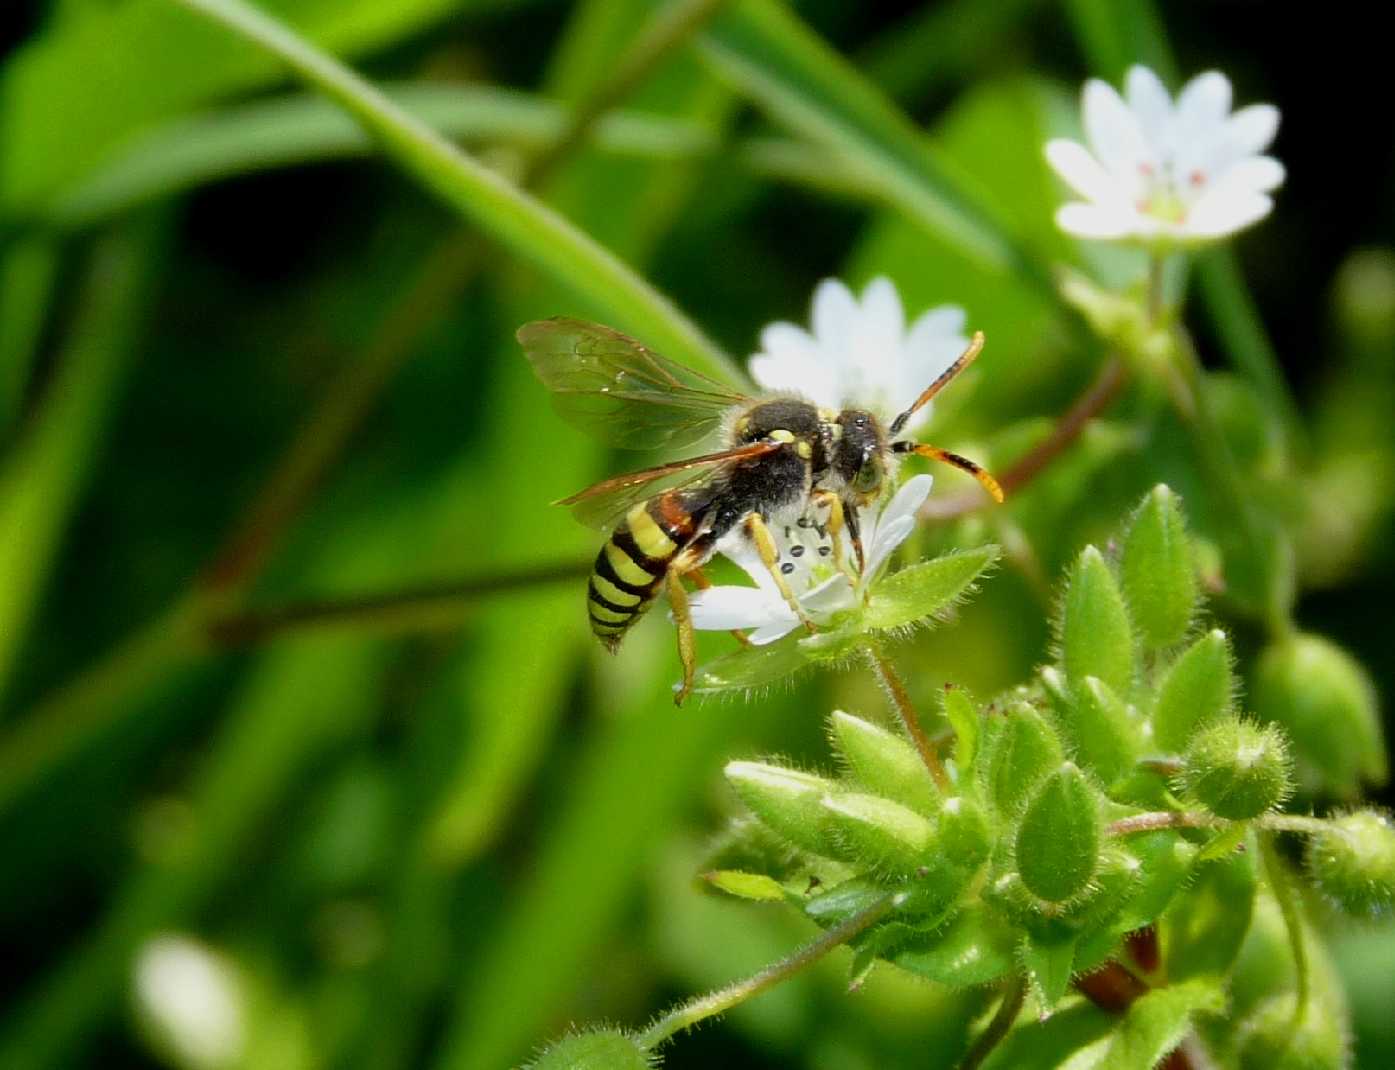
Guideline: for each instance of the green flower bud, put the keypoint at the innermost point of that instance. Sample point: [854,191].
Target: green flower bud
[1019,751]
[603,1049]
[1058,842]
[1353,862]
[1098,727]
[877,833]
[1271,1039]
[1197,688]
[884,763]
[1237,769]
[1096,637]
[1159,579]
[788,801]
[1327,704]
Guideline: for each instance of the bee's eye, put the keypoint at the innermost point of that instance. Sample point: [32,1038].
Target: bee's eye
[869,476]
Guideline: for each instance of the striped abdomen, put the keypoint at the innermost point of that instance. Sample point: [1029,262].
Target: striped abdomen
[631,565]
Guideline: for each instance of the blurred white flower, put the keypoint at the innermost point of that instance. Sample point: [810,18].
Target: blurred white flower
[1167,172]
[806,562]
[860,352]
[192,999]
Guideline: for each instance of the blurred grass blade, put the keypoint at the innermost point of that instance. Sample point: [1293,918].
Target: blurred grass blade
[779,62]
[26,279]
[44,475]
[522,223]
[1115,34]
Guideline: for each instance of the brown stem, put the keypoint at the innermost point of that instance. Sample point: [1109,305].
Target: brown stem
[1113,989]
[1161,819]
[1014,995]
[429,605]
[1103,389]
[905,709]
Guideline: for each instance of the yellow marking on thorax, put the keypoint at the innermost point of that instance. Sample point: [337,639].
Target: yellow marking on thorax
[649,537]
[804,450]
[607,616]
[612,593]
[781,435]
[626,569]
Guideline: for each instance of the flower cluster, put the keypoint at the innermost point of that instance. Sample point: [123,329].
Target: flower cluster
[1167,172]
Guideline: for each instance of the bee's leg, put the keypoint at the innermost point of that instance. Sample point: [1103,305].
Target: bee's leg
[701,581]
[836,524]
[759,534]
[855,537]
[683,618]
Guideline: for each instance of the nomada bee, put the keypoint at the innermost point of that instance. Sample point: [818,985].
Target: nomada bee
[783,457]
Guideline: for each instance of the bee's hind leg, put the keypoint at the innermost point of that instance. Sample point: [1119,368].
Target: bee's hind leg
[683,619]
[759,533]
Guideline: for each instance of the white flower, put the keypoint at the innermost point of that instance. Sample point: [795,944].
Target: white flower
[193,998]
[806,562]
[1167,172]
[860,352]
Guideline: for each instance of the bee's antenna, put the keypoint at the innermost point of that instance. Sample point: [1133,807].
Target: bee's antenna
[961,362]
[934,453]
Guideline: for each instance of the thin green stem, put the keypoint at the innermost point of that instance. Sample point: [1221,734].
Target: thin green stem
[1157,287]
[1014,995]
[1293,823]
[1282,887]
[722,1000]
[905,709]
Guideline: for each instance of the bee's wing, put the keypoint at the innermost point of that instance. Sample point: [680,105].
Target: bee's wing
[602,505]
[619,390]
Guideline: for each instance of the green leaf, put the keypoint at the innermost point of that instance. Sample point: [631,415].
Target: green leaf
[1020,750]
[973,949]
[1099,729]
[520,222]
[962,715]
[751,667]
[1058,842]
[1061,1040]
[746,885]
[1048,964]
[1204,929]
[926,589]
[884,763]
[1197,689]
[1158,1020]
[843,901]
[1095,634]
[604,1049]
[1156,568]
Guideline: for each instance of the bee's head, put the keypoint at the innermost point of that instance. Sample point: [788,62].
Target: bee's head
[860,455]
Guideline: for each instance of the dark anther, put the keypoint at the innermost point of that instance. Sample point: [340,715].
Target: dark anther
[787,567]
[796,551]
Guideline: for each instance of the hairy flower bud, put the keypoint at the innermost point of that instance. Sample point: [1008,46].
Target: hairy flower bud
[1019,750]
[1197,688]
[1271,1038]
[1096,636]
[1099,728]
[1159,579]
[1353,862]
[601,1049]
[1058,842]
[884,763]
[1327,704]
[788,801]
[877,833]
[1237,769]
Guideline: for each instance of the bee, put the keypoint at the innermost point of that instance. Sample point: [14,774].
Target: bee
[781,457]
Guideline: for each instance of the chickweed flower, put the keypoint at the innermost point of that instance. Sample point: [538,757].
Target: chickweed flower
[807,555]
[860,352]
[1164,172]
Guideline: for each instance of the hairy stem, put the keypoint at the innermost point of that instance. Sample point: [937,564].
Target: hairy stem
[1014,995]
[905,709]
[1162,819]
[722,1000]
[1282,887]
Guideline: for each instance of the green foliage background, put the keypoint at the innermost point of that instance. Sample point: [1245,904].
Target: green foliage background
[435,830]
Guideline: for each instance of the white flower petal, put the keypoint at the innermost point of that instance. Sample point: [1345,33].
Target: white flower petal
[1252,128]
[1259,174]
[1092,221]
[908,499]
[770,632]
[1203,103]
[1224,212]
[1083,173]
[1112,130]
[1150,102]
[829,597]
[725,607]
[889,536]
[834,314]
[947,320]
[789,374]
[881,309]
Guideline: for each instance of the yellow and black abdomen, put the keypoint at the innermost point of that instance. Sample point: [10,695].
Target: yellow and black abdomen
[630,568]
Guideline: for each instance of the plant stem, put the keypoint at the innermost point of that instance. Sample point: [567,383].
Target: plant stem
[1014,995]
[905,709]
[1157,287]
[1162,819]
[421,608]
[1282,888]
[1292,823]
[714,1003]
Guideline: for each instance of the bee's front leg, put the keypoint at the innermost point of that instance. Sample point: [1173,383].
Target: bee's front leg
[759,533]
[836,525]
